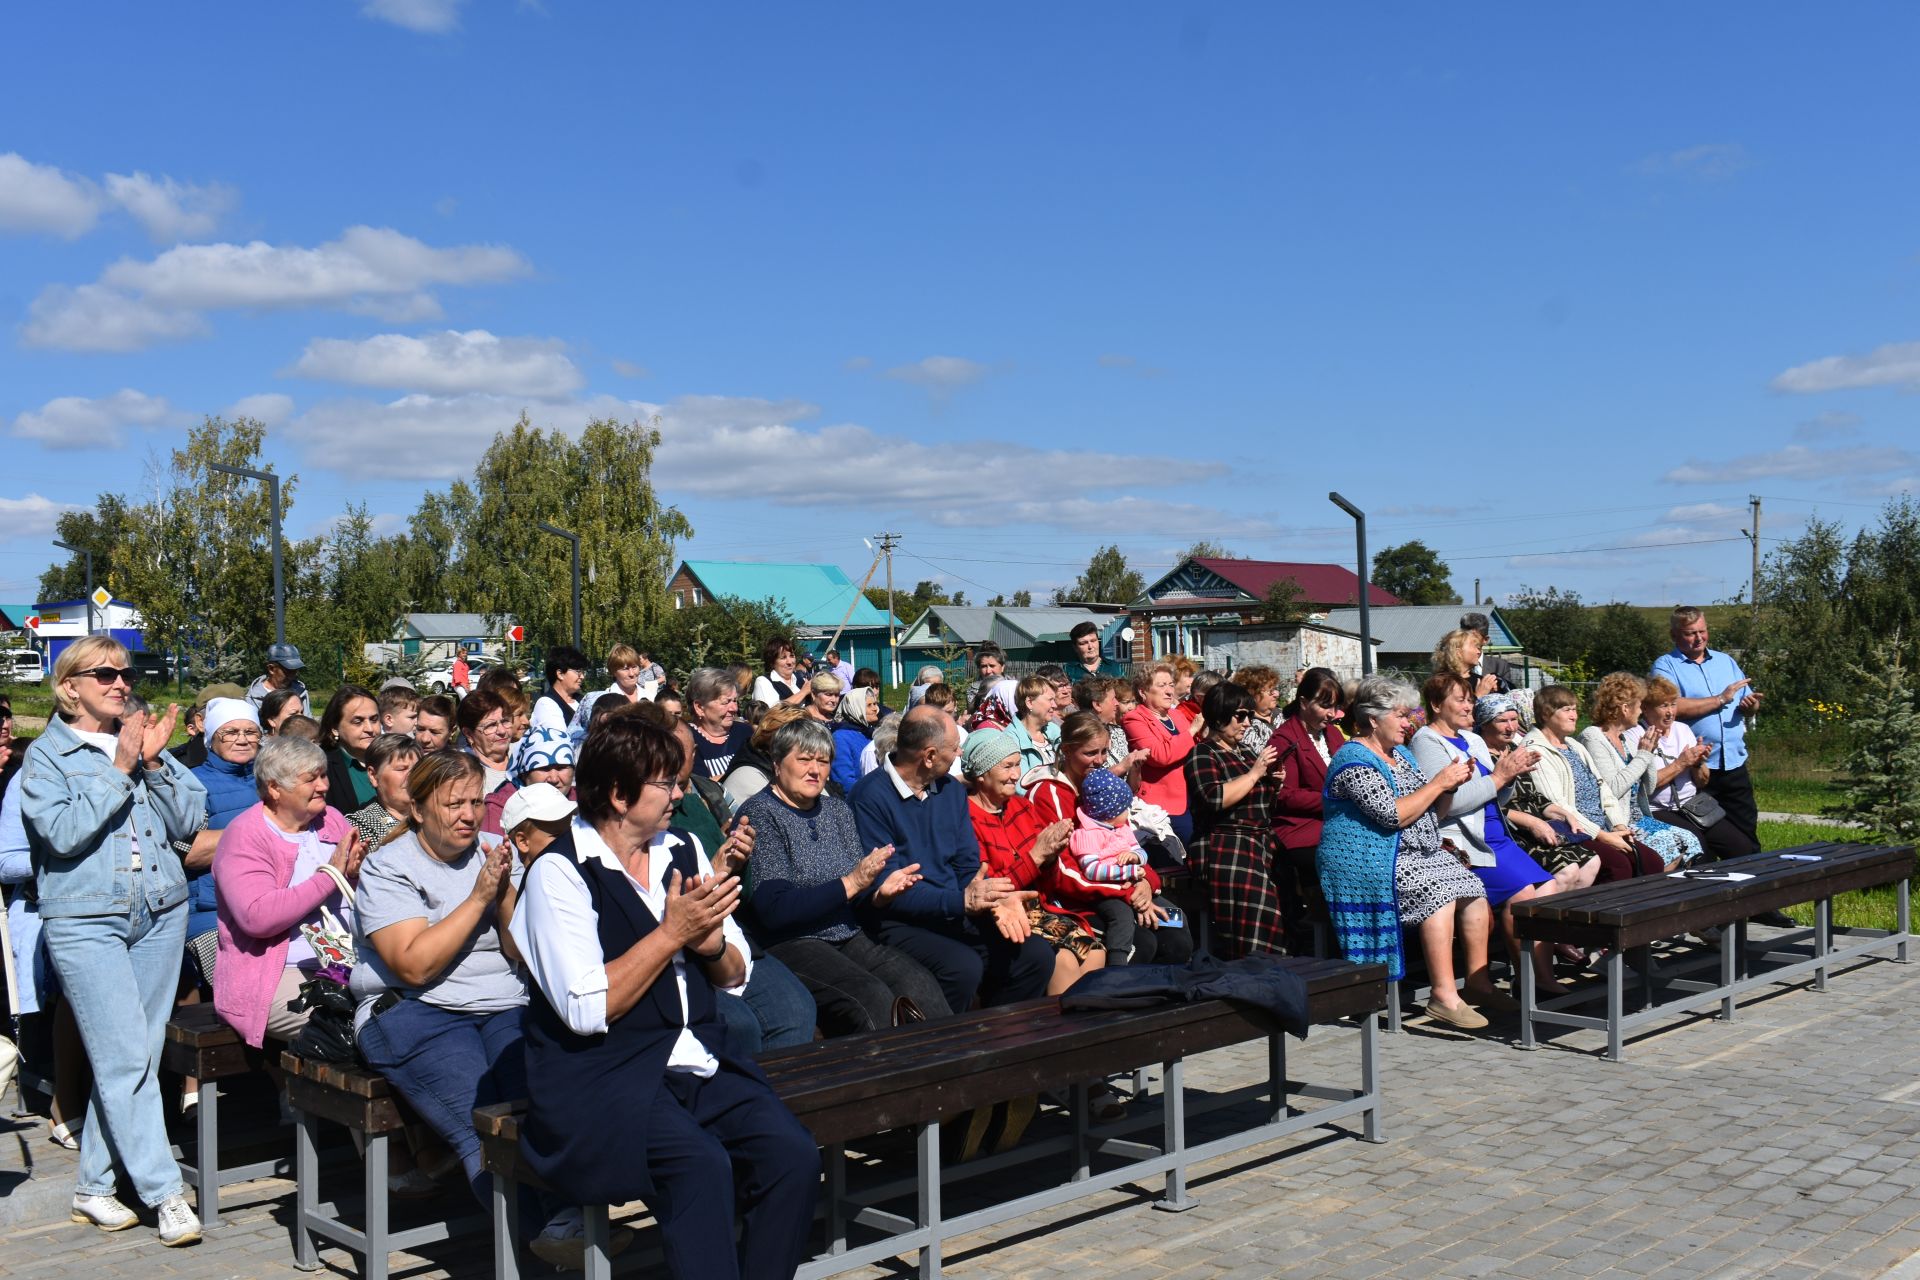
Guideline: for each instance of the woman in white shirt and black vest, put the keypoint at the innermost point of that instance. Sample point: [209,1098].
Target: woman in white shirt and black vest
[628,942]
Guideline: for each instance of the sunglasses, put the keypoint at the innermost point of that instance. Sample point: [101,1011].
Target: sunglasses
[1243,714]
[107,675]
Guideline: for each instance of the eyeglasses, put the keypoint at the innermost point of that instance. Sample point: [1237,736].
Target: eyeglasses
[107,675]
[1243,714]
[239,735]
[671,786]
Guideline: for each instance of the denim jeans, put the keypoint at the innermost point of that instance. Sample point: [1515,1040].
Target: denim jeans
[446,1063]
[120,973]
[775,1012]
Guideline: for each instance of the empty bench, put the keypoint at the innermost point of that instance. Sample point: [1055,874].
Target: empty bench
[362,1102]
[911,1077]
[199,1045]
[1722,895]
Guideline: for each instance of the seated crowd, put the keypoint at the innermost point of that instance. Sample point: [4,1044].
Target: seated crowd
[665,881]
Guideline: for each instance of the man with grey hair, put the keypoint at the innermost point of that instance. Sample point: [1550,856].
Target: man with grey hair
[1716,699]
[1491,664]
[914,803]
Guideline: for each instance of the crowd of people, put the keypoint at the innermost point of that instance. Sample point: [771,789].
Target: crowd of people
[660,881]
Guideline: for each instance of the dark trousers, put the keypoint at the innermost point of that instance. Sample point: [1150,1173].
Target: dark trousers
[774,1012]
[445,1064]
[1126,942]
[712,1144]
[967,961]
[1721,840]
[856,980]
[1733,788]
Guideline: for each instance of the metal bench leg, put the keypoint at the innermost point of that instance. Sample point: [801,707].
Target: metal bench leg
[1729,972]
[1529,997]
[1903,921]
[306,1191]
[1822,940]
[1277,1079]
[376,1194]
[1393,1005]
[1370,1129]
[929,1161]
[836,1198]
[1082,1121]
[206,1161]
[599,1259]
[1616,995]
[1174,1121]
[506,1229]
[1740,946]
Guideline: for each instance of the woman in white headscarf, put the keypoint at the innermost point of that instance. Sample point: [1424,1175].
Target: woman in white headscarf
[852,731]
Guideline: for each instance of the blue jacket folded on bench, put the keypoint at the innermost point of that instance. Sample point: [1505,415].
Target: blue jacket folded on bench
[1265,982]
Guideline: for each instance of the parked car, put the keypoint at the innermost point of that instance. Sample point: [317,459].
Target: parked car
[438,678]
[23,666]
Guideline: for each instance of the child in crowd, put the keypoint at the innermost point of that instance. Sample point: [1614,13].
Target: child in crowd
[535,816]
[1106,855]
[399,711]
[301,727]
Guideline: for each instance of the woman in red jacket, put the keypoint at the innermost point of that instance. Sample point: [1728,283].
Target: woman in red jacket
[1167,741]
[1306,739]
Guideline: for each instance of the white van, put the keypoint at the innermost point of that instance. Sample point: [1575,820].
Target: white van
[22,666]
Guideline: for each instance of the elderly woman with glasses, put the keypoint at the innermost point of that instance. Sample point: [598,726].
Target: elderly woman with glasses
[629,942]
[486,726]
[102,804]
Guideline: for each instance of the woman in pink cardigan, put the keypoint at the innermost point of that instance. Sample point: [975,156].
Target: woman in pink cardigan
[275,866]
[1167,740]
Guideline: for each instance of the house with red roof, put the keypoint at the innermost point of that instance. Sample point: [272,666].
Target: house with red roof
[1204,592]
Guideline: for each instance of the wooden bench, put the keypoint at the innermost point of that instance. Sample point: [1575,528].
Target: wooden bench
[367,1106]
[1649,909]
[911,1077]
[198,1044]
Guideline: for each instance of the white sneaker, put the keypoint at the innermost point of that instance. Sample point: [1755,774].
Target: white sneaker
[103,1212]
[178,1224]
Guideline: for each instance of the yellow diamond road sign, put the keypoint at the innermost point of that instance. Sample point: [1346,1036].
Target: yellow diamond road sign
[101,598]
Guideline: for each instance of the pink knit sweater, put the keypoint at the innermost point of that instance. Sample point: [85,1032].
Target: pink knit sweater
[258,913]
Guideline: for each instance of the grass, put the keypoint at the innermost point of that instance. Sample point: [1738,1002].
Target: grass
[1793,776]
[1863,909]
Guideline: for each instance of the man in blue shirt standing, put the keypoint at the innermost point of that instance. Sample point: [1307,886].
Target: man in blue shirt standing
[1716,699]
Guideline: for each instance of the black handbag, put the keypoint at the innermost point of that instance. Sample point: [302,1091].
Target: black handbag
[1703,809]
[328,1035]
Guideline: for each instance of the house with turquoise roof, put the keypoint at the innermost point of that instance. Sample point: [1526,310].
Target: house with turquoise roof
[821,599]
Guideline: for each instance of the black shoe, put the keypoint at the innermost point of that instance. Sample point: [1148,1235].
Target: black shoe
[1775,920]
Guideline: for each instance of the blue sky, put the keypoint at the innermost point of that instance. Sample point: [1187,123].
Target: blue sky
[1012,280]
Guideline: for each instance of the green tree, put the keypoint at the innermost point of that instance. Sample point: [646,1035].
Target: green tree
[716,633]
[1206,549]
[1415,573]
[1284,602]
[1023,599]
[1622,638]
[103,530]
[1549,623]
[198,561]
[1881,770]
[1107,580]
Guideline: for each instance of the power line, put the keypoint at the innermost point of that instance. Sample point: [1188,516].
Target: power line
[1585,551]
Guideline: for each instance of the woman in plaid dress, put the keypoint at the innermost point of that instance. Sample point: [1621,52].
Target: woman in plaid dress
[1234,791]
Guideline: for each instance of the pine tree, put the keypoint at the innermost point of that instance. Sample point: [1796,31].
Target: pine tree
[1881,782]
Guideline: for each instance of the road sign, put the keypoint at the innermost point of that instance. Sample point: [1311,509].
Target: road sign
[101,597]
[33,622]
[516,634]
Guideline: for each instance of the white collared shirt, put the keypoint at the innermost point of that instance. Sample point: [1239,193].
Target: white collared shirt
[558,933]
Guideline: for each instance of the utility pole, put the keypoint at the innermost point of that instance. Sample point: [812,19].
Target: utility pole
[1476,593]
[1753,535]
[573,538]
[272,482]
[888,541]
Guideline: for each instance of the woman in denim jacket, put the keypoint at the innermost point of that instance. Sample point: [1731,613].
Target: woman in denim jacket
[103,804]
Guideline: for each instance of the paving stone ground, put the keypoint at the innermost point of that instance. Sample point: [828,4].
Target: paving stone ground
[1786,1144]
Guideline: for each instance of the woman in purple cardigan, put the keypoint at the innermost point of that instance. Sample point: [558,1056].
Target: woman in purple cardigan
[276,865]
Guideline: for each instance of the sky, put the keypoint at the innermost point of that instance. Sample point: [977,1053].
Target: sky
[1552,289]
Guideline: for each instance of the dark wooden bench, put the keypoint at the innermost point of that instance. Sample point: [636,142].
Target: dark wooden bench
[910,1078]
[362,1102]
[200,1045]
[1636,913]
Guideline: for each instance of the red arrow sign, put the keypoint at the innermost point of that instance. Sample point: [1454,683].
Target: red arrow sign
[33,622]
[516,634]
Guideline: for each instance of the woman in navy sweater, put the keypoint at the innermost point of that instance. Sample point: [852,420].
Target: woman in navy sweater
[809,875]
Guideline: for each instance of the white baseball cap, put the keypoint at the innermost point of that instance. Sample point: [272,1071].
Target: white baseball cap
[541,802]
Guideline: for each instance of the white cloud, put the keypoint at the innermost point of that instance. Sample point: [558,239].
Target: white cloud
[429,17]
[136,304]
[1831,425]
[1895,365]
[628,369]
[94,318]
[1710,162]
[1696,513]
[1796,462]
[270,409]
[171,211]
[448,363]
[1113,517]
[30,517]
[76,422]
[940,373]
[42,198]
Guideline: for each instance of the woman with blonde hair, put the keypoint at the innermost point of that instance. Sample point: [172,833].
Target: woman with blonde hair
[1629,772]
[1678,796]
[102,803]
[1567,777]
[1263,686]
[1459,653]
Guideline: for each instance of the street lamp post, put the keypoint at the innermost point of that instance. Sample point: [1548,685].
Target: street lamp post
[1360,539]
[574,538]
[272,482]
[68,546]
